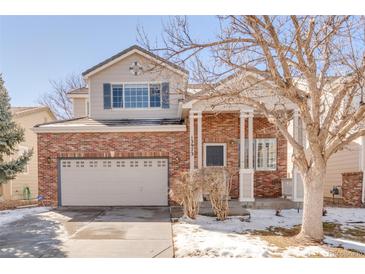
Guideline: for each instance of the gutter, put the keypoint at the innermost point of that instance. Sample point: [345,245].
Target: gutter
[80,129]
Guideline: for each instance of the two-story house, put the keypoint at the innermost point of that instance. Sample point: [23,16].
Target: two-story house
[135,130]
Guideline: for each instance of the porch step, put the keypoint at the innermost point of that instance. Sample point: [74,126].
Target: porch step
[271,203]
[237,208]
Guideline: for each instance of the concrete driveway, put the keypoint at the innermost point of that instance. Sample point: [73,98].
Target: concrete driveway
[122,232]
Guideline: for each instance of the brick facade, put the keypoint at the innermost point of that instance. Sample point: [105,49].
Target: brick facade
[216,128]
[352,188]
[225,128]
[53,146]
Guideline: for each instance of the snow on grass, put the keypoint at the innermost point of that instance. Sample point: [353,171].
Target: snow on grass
[347,217]
[207,237]
[10,216]
[193,241]
[305,251]
[344,243]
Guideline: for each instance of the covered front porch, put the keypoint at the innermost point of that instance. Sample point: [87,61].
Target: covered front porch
[247,142]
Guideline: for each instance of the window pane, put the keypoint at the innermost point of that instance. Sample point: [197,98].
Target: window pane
[155,95]
[260,155]
[266,153]
[136,96]
[117,96]
[214,155]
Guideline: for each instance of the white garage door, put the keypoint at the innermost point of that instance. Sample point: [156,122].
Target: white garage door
[114,182]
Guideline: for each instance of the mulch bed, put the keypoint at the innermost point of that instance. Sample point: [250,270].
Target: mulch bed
[12,204]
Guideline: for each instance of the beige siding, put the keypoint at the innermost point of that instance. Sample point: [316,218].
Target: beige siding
[14,189]
[79,107]
[119,73]
[347,160]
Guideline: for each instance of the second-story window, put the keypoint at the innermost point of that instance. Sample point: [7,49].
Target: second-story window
[136,95]
[117,96]
[155,95]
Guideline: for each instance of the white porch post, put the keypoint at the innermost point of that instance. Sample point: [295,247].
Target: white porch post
[250,140]
[246,173]
[200,141]
[362,166]
[191,139]
[242,139]
[200,147]
[297,179]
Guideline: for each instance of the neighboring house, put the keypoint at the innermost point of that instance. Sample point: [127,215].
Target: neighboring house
[135,130]
[27,117]
[345,170]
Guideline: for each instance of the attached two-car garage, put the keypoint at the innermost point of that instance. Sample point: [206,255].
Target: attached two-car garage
[113,182]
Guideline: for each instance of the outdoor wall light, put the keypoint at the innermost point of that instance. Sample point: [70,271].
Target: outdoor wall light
[48,160]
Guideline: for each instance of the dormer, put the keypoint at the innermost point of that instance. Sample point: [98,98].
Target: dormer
[133,84]
[80,102]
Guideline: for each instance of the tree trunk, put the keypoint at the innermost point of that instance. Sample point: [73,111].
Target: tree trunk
[312,227]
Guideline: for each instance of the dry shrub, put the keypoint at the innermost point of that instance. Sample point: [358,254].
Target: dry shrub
[217,182]
[186,191]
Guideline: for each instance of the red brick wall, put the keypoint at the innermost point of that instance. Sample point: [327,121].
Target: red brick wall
[216,128]
[352,188]
[267,183]
[224,128]
[51,147]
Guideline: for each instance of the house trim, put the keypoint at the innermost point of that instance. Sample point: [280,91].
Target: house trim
[78,96]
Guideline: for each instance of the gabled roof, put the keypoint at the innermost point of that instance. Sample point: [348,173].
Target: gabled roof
[22,111]
[124,52]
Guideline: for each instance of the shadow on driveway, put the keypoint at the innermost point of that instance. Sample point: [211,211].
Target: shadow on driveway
[31,237]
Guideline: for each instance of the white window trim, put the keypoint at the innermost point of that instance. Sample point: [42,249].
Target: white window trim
[224,153]
[264,140]
[21,150]
[135,83]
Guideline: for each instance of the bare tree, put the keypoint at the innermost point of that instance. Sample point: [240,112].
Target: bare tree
[315,64]
[57,99]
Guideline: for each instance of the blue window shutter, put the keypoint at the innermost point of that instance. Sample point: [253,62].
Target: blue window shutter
[107,96]
[165,95]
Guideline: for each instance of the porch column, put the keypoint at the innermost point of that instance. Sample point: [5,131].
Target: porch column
[191,139]
[246,188]
[298,190]
[250,140]
[200,141]
[362,160]
[242,139]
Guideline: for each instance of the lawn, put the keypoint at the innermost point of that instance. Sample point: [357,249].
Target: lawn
[267,235]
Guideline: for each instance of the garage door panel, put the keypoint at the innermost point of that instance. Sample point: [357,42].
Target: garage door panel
[114,182]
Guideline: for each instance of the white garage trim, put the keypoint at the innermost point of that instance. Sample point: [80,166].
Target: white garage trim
[113,182]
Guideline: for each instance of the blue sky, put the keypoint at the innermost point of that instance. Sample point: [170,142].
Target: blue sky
[37,49]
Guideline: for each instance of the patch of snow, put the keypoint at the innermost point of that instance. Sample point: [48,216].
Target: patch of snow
[10,216]
[305,251]
[207,237]
[59,219]
[344,243]
[193,241]
[347,217]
